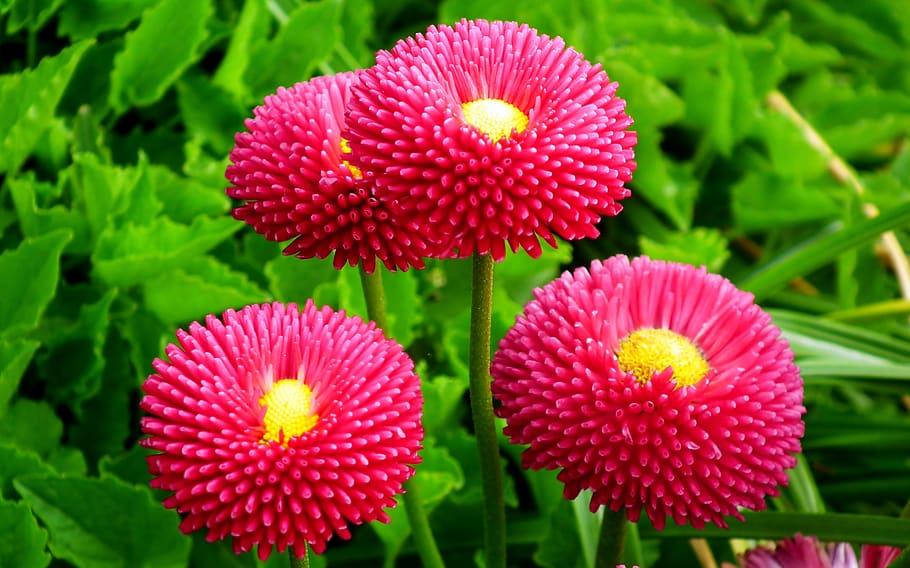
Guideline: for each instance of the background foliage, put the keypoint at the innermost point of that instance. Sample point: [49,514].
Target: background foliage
[116,119]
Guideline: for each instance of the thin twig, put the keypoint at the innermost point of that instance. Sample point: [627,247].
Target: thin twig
[844,174]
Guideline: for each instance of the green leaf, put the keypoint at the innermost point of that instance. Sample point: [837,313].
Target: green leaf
[35,221]
[699,247]
[30,14]
[443,401]
[307,39]
[88,18]
[22,541]
[766,200]
[402,301]
[15,355]
[292,279]
[15,463]
[130,466]
[829,527]
[210,112]
[147,66]
[134,254]
[437,476]
[519,274]
[33,426]
[668,186]
[30,274]
[559,546]
[105,523]
[29,100]
[814,336]
[816,252]
[252,26]
[205,287]
[184,199]
[104,424]
[79,350]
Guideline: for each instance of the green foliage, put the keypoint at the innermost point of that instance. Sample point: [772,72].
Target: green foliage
[116,124]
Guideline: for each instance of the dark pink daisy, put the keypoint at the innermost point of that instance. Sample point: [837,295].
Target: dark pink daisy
[489,133]
[279,427]
[655,385]
[808,552]
[291,168]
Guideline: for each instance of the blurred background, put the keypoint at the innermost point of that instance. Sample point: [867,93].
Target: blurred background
[772,149]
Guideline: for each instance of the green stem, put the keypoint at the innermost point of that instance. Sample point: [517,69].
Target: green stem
[634,555]
[482,412]
[421,532]
[303,562]
[612,537]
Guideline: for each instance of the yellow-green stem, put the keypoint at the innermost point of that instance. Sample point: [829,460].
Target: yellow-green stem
[374,295]
[494,524]
[303,561]
[612,538]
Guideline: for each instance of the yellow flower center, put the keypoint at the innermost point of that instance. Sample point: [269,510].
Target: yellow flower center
[346,149]
[648,350]
[494,117]
[289,411]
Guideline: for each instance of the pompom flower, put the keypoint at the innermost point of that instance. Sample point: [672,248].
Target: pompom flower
[279,427]
[489,133]
[655,385]
[808,552]
[291,169]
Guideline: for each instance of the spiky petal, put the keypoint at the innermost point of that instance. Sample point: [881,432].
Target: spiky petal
[490,133]
[206,418]
[291,170]
[693,452]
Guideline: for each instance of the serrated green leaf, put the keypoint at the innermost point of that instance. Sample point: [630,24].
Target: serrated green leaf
[29,275]
[667,185]
[30,14]
[147,66]
[87,18]
[146,336]
[699,247]
[15,355]
[22,541]
[205,287]
[133,254]
[437,476]
[767,200]
[32,426]
[292,279]
[252,27]
[559,546]
[15,463]
[79,350]
[184,199]
[210,112]
[402,302]
[29,99]
[307,39]
[130,466]
[105,422]
[105,523]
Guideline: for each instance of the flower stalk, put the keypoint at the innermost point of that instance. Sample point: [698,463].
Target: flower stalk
[303,561]
[612,538]
[374,295]
[482,411]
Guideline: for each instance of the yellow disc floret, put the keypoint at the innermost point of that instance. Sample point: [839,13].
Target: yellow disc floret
[289,410]
[494,117]
[648,350]
[346,149]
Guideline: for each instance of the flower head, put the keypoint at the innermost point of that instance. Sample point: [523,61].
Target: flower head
[292,169]
[656,385]
[280,426]
[807,552]
[490,133]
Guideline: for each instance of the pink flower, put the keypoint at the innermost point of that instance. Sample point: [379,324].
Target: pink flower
[489,133]
[656,385]
[280,427]
[807,552]
[291,169]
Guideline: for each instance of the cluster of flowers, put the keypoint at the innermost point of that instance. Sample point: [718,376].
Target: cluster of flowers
[659,387]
